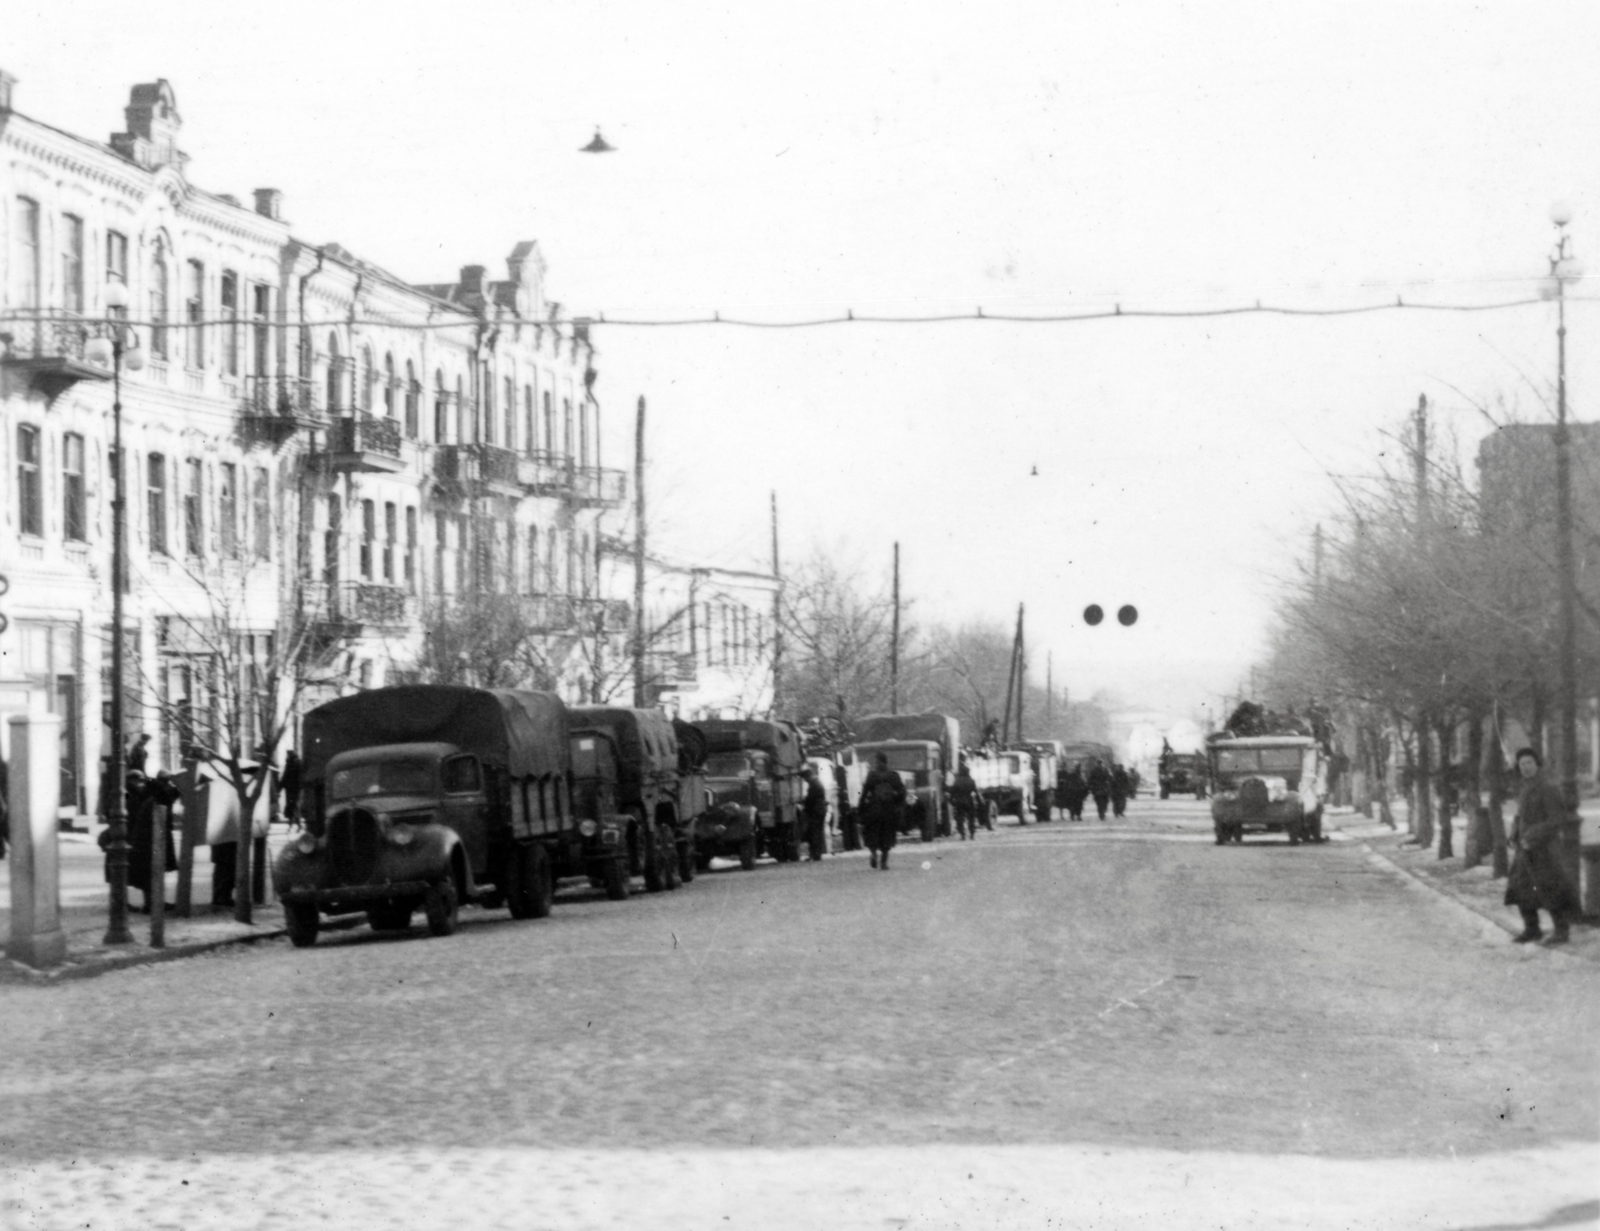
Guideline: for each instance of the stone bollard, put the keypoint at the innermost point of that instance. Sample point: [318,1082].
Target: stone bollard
[36,935]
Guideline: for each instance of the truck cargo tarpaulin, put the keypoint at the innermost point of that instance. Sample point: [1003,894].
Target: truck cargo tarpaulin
[781,739]
[525,732]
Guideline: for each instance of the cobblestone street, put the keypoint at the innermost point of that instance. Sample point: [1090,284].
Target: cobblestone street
[1102,1025]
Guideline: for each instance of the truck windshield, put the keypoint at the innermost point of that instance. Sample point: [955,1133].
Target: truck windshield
[383,778]
[728,765]
[1258,760]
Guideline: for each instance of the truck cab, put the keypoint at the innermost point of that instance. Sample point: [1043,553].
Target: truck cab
[752,773]
[1267,784]
[650,791]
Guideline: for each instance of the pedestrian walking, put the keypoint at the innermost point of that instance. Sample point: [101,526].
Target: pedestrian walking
[1073,790]
[1538,879]
[1121,788]
[1100,786]
[814,808]
[883,798]
[964,801]
[289,784]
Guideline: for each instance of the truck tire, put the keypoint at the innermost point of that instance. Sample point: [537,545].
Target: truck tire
[991,814]
[1314,833]
[1293,830]
[531,892]
[442,907]
[669,861]
[1222,835]
[1165,793]
[655,877]
[301,918]
[688,864]
[616,878]
[747,854]
[927,832]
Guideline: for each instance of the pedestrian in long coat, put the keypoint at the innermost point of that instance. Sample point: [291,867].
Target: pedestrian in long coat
[1538,879]
[1121,788]
[964,802]
[815,810]
[1073,791]
[883,798]
[1100,786]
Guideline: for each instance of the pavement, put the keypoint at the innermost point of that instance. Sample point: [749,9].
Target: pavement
[85,908]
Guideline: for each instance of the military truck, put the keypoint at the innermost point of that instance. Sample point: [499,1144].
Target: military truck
[1005,783]
[941,729]
[660,801]
[920,764]
[752,774]
[1266,784]
[1182,773]
[428,796]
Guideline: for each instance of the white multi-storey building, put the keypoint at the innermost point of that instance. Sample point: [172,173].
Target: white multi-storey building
[309,438]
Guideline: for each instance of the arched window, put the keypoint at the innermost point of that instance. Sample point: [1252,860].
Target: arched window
[533,560]
[441,403]
[530,437]
[549,424]
[388,385]
[413,396]
[566,426]
[509,412]
[335,370]
[158,301]
[461,415]
[367,377]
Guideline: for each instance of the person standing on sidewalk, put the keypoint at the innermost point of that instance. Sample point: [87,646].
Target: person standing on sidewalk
[815,810]
[1538,881]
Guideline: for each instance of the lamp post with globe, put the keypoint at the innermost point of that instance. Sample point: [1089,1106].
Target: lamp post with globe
[114,350]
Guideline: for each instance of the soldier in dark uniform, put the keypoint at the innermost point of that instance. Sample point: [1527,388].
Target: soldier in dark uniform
[815,810]
[883,798]
[964,800]
[1100,786]
[1073,790]
[1538,881]
[1121,788]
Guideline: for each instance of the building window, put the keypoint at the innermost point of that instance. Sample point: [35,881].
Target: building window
[193,521]
[509,410]
[583,434]
[116,257]
[533,559]
[194,312]
[228,511]
[367,377]
[549,424]
[29,486]
[155,487]
[335,370]
[485,425]
[158,301]
[389,384]
[74,516]
[413,398]
[261,310]
[530,438]
[461,413]
[72,263]
[391,532]
[551,577]
[441,409]
[566,427]
[230,323]
[510,586]
[369,532]
[27,259]
[330,543]
[262,514]
[411,550]
[461,553]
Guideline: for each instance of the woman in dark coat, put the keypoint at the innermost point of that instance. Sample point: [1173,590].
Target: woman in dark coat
[1121,788]
[1100,786]
[144,795]
[883,795]
[1073,790]
[1538,881]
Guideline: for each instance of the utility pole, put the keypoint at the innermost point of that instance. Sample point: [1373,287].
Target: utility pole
[894,640]
[1049,690]
[1562,268]
[1421,460]
[638,557]
[777,615]
[1022,670]
[1011,682]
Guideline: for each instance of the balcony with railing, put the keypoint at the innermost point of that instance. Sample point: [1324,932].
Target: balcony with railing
[545,474]
[273,408]
[593,485]
[671,669]
[365,443]
[350,606]
[497,470]
[48,351]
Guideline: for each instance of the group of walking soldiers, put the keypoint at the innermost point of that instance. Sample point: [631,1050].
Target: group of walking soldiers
[1109,788]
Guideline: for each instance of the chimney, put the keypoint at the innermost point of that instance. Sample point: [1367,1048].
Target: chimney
[472,278]
[269,203]
[8,85]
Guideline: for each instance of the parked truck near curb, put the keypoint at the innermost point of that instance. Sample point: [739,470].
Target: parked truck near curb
[1005,783]
[752,773]
[428,796]
[1267,784]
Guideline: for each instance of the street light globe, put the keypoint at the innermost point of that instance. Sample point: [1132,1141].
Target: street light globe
[116,295]
[98,351]
[133,358]
[1561,213]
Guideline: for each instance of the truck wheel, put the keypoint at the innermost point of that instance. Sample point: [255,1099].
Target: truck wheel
[531,893]
[669,861]
[655,879]
[1315,832]
[442,907]
[389,916]
[927,833]
[687,863]
[1164,792]
[747,854]
[991,815]
[1293,830]
[617,878]
[301,918]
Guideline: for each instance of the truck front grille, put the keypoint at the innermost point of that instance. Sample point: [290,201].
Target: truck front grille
[353,845]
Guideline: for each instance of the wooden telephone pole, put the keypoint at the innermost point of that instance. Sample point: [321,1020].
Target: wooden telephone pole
[894,640]
[777,617]
[638,558]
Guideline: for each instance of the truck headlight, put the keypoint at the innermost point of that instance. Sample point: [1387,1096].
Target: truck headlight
[588,828]
[401,835]
[306,844]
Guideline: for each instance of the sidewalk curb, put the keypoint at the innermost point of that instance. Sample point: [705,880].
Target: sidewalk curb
[70,971]
[1485,921]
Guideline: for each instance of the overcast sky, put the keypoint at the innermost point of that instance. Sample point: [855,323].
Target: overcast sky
[914,158]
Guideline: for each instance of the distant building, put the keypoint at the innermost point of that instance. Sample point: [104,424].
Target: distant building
[310,438]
